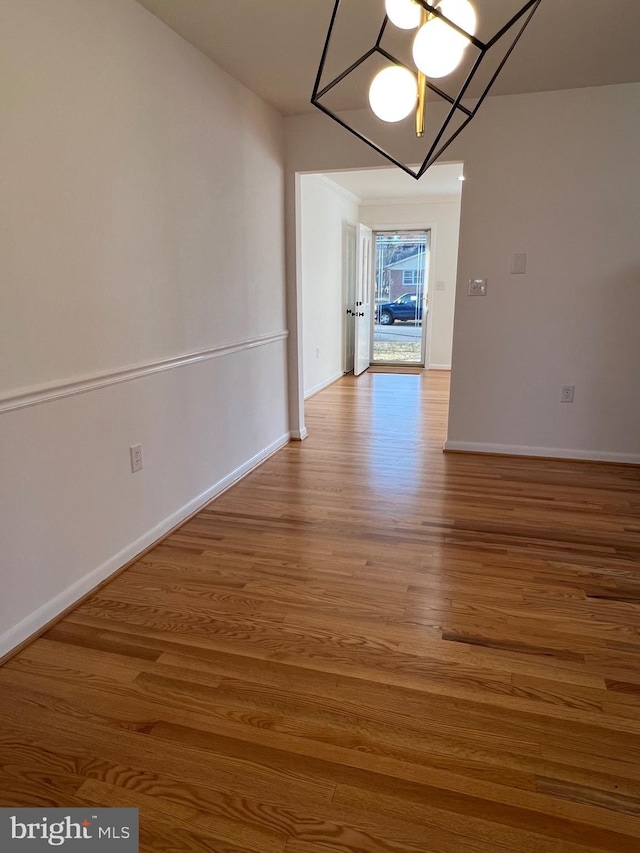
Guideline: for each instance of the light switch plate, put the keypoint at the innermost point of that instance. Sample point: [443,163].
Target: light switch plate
[519,263]
[440,285]
[477,287]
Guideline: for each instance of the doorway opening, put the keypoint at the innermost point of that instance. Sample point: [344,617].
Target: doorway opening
[339,215]
[400,281]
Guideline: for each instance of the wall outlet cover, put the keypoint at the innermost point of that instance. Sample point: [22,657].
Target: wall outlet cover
[136,458]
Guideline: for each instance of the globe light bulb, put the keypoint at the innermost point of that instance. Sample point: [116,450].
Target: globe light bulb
[438,48]
[393,93]
[405,14]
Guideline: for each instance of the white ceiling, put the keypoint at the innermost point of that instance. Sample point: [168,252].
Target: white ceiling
[441,180]
[274,46]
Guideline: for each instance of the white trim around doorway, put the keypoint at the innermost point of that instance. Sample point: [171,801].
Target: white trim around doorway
[418,226]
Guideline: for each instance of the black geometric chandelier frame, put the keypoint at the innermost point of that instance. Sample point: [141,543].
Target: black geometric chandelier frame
[459,114]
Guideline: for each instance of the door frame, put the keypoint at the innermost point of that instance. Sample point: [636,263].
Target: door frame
[293,274]
[430,228]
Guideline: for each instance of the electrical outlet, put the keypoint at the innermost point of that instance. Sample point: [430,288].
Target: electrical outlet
[136,458]
[566,393]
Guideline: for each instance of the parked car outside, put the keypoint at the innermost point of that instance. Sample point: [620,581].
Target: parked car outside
[405,307]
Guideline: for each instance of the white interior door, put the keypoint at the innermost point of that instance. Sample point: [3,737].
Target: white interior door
[363,302]
[349,278]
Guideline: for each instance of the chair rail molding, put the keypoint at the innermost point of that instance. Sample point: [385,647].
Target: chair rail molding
[50,391]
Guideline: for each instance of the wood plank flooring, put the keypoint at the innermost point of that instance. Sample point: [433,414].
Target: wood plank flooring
[366,646]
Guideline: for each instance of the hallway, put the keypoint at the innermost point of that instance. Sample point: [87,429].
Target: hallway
[365,645]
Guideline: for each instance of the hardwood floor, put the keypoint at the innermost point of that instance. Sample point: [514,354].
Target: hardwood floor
[366,645]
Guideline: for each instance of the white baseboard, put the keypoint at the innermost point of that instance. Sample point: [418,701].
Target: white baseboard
[439,367]
[548,452]
[36,621]
[299,434]
[322,385]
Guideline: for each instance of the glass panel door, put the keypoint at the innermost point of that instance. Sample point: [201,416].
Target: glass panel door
[401,276]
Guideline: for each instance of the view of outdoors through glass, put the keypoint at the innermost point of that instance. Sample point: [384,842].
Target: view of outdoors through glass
[402,263]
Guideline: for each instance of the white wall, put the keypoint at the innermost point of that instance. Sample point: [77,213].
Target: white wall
[443,218]
[555,175]
[142,265]
[324,210]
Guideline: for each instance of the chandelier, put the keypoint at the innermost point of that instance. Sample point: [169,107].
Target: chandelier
[405,73]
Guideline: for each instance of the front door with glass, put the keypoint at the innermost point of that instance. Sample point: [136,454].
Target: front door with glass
[401,306]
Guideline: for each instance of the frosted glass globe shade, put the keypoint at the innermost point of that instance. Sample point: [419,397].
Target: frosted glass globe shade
[405,14]
[461,12]
[393,93]
[438,48]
